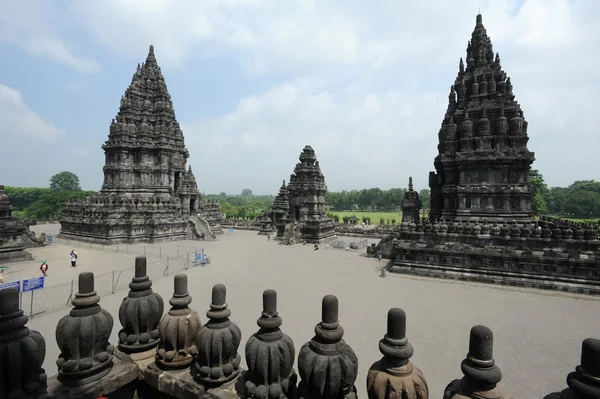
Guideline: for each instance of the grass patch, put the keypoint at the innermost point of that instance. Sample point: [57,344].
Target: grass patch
[375,216]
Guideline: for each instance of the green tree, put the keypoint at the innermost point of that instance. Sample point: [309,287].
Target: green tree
[49,206]
[246,192]
[425,196]
[65,181]
[22,197]
[540,192]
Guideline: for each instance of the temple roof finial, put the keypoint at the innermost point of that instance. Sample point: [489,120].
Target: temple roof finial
[410,184]
[479,20]
[151,51]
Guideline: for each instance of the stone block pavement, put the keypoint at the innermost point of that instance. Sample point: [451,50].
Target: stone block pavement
[537,334]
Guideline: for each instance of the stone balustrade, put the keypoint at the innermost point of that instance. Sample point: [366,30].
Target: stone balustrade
[174,355]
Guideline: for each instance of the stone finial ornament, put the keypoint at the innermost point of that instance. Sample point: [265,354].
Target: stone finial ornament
[22,352]
[218,340]
[327,366]
[584,382]
[270,356]
[140,313]
[394,376]
[178,329]
[481,375]
[82,337]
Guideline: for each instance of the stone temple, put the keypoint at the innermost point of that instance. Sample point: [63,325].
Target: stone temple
[481,225]
[148,193]
[299,210]
[482,170]
[15,236]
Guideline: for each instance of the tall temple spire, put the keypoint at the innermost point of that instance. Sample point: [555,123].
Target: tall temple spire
[484,99]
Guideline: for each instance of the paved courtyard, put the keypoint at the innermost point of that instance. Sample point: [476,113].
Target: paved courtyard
[537,334]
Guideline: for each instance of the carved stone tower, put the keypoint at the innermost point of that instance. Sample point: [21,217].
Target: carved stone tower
[147,195]
[482,170]
[15,236]
[411,205]
[306,193]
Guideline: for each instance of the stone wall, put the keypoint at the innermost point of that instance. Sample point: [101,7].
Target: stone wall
[171,355]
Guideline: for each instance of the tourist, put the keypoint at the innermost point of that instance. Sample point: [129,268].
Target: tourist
[1,275]
[316,246]
[73,256]
[44,267]
[379,257]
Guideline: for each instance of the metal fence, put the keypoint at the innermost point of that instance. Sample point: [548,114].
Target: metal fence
[157,251]
[58,296]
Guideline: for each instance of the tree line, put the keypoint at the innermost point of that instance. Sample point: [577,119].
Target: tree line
[579,200]
[45,203]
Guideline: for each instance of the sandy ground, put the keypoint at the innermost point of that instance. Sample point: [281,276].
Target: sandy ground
[537,334]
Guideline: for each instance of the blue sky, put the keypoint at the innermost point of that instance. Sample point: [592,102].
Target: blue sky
[253,81]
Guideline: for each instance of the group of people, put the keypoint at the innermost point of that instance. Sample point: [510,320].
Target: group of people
[44,266]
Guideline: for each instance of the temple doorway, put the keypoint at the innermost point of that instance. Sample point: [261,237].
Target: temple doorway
[296,213]
[192,205]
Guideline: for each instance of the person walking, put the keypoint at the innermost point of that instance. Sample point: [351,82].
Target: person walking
[73,256]
[44,267]
[1,275]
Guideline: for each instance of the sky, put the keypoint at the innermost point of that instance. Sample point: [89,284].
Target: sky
[253,81]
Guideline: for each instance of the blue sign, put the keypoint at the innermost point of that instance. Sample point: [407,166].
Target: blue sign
[11,284]
[48,238]
[231,229]
[33,284]
[198,258]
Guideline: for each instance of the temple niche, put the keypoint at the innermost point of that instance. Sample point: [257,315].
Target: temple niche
[148,194]
[301,204]
[482,169]
[15,236]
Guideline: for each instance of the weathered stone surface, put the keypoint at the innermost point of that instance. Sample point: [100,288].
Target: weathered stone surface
[327,365]
[305,201]
[15,235]
[22,352]
[82,337]
[269,347]
[584,382]
[394,376]
[481,375]
[482,169]
[178,329]
[119,383]
[411,205]
[147,194]
[140,313]
[281,208]
[266,225]
[217,341]
[211,211]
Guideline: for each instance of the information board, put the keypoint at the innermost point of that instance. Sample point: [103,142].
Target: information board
[33,284]
[11,284]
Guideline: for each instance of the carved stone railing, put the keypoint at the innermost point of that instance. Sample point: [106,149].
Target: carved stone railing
[175,356]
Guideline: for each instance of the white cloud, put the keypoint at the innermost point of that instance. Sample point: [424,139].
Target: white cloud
[27,23]
[19,122]
[366,85]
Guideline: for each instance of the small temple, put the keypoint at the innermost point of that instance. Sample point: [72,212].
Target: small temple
[411,205]
[482,169]
[15,236]
[300,206]
[148,194]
